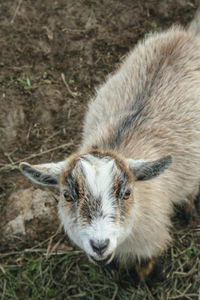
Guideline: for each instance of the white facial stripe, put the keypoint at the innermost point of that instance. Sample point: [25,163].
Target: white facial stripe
[98,175]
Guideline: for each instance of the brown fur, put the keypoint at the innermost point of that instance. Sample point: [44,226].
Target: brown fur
[145,269]
[71,162]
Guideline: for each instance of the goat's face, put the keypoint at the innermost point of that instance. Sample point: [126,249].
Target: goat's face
[97,197]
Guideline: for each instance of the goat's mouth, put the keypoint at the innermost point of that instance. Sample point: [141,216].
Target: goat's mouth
[102,262]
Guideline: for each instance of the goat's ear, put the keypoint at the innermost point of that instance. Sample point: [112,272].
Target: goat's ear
[146,169]
[44,174]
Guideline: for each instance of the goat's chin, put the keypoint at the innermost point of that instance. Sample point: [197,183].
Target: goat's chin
[102,262]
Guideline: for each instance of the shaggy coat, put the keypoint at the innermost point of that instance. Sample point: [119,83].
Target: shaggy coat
[147,110]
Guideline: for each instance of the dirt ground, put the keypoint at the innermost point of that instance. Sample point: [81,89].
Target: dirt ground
[52,56]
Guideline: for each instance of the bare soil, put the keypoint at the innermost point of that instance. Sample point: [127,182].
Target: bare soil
[40,108]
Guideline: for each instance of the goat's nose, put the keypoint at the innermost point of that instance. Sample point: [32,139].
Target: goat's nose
[99,246]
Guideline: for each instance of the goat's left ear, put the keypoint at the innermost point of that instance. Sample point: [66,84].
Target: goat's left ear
[145,169]
[44,174]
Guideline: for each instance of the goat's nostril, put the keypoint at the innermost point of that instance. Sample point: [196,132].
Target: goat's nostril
[99,246]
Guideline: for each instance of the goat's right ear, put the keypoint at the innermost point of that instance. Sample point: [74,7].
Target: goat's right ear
[44,174]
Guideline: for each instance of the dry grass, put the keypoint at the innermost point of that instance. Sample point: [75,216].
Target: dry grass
[38,273]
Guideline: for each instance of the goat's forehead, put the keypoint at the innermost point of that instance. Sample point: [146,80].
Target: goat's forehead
[97,172]
[95,166]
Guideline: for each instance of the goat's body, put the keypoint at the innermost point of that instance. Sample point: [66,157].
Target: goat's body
[148,109]
[145,112]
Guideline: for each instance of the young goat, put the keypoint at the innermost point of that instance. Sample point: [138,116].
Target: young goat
[140,154]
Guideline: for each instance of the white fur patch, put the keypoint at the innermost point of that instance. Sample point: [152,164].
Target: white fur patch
[99,174]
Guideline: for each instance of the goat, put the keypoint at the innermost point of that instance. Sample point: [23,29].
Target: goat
[139,155]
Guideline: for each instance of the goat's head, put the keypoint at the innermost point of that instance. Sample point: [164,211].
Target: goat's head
[97,196]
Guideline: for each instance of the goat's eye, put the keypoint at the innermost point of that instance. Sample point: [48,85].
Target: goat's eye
[126,195]
[67,196]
